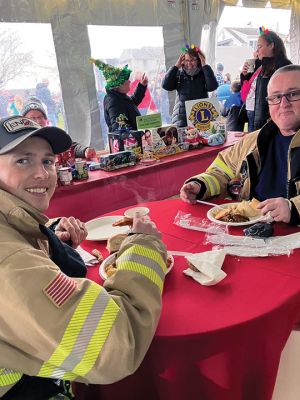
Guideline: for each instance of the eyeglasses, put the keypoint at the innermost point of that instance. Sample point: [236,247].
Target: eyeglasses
[294,95]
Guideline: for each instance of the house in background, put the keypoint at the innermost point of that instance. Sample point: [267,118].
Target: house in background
[147,59]
[235,45]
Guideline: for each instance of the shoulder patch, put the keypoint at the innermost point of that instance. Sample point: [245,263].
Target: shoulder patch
[60,289]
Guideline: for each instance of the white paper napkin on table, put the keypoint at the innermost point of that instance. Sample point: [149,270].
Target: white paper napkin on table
[209,265]
[87,257]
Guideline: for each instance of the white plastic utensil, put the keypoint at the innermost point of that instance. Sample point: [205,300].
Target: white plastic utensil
[209,204]
[179,253]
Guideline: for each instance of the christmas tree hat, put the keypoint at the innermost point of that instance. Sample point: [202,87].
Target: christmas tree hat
[114,76]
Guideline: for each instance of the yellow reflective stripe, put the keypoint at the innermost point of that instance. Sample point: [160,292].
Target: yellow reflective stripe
[223,167]
[9,377]
[73,329]
[147,252]
[124,262]
[213,184]
[98,339]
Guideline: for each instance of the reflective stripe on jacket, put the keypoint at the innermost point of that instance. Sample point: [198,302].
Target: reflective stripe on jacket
[71,328]
[243,161]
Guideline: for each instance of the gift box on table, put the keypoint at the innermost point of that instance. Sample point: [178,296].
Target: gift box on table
[122,140]
[110,162]
[162,141]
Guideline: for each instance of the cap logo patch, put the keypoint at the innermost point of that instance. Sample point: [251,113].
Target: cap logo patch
[14,125]
[34,106]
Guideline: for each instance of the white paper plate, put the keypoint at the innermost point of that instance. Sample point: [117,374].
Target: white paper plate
[214,210]
[111,259]
[102,229]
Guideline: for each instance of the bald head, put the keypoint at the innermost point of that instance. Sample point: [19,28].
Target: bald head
[286,113]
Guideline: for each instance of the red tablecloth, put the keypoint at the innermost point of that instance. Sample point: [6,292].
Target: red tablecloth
[221,342]
[106,191]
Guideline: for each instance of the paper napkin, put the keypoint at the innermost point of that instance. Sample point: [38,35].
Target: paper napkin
[209,265]
[87,257]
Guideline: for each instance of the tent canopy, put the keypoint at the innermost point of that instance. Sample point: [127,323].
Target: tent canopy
[182,22]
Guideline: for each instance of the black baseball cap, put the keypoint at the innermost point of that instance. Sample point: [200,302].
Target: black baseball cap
[14,130]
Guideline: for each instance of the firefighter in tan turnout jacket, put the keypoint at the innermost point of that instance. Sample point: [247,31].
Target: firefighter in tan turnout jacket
[56,328]
[266,163]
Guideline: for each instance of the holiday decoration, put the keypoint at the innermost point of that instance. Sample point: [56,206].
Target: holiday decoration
[114,76]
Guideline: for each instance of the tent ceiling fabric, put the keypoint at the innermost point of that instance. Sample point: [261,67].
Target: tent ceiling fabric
[182,22]
[260,3]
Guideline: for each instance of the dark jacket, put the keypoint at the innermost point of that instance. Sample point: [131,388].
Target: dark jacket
[116,103]
[243,162]
[188,88]
[43,94]
[261,108]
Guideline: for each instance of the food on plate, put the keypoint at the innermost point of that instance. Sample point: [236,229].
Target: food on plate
[97,254]
[249,208]
[240,212]
[123,221]
[231,215]
[169,261]
[110,269]
[114,242]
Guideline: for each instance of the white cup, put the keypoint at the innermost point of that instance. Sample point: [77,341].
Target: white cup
[251,64]
[132,211]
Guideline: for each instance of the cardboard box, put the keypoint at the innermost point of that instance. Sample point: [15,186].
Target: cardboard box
[110,162]
[162,141]
[125,140]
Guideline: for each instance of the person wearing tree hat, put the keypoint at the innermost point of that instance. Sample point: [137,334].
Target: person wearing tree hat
[118,106]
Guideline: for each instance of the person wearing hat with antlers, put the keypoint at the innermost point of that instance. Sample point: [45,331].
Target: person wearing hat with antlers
[192,79]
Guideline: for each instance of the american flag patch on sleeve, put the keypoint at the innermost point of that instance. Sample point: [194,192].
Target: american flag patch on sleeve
[60,289]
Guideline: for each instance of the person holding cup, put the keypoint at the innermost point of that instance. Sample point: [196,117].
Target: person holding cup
[270,56]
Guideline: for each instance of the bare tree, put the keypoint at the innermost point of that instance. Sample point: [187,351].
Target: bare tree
[13,61]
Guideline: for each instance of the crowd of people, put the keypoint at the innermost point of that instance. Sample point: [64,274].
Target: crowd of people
[12,103]
[72,328]
[242,100]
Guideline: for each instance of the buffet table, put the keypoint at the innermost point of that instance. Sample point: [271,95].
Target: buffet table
[221,342]
[107,191]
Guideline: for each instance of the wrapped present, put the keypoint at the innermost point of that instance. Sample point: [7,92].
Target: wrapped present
[110,162]
[122,140]
[67,158]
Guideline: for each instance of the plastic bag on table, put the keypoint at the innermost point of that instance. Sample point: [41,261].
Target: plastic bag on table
[246,246]
[188,221]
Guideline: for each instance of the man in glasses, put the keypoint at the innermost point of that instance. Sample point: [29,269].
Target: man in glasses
[266,163]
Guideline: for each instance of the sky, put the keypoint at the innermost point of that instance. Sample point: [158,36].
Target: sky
[279,20]
[134,37]
[122,37]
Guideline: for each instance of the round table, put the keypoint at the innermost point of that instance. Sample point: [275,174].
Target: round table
[221,342]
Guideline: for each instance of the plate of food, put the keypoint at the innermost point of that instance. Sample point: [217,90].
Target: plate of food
[236,214]
[102,228]
[108,266]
